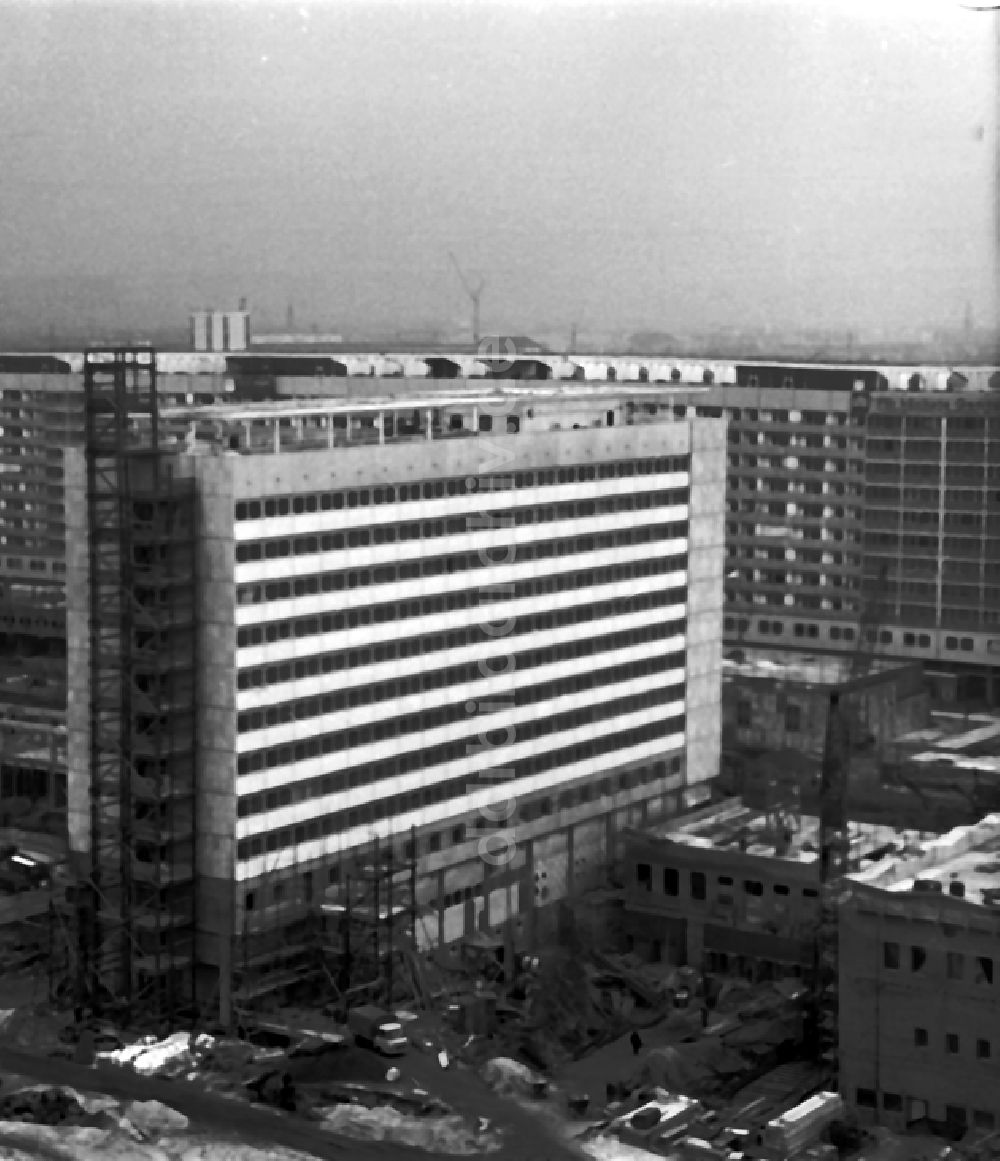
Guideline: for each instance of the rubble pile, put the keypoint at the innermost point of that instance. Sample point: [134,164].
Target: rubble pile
[444,1135]
[59,1122]
[176,1055]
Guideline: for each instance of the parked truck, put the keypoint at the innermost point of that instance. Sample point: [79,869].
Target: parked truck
[798,1128]
[377,1029]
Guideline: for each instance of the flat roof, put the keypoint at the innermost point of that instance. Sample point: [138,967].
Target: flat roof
[969,855]
[829,669]
[378,400]
[955,740]
[733,826]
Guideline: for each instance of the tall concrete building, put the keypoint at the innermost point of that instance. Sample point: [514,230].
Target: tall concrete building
[853,485]
[484,628]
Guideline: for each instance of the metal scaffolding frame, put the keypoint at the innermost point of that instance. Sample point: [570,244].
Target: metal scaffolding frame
[370,924]
[135,913]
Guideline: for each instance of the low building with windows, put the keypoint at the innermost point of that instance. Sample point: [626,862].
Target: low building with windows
[463,626]
[731,889]
[920,983]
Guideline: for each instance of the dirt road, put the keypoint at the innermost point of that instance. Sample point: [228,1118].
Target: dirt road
[526,1137]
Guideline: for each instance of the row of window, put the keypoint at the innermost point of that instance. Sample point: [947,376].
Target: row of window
[435,566]
[460,562]
[434,841]
[363,776]
[459,525]
[978,968]
[451,602]
[954,1114]
[420,644]
[284,755]
[305,586]
[456,486]
[838,633]
[454,789]
[698,884]
[432,718]
[953,1044]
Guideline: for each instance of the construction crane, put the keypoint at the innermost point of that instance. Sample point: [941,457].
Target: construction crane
[834,826]
[869,624]
[475,294]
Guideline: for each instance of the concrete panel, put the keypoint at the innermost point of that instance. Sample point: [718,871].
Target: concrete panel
[704,755]
[216,725]
[504,903]
[77,655]
[704,657]
[551,867]
[589,854]
[428,933]
[466,875]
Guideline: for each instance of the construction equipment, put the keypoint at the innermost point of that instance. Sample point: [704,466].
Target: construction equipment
[475,294]
[134,893]
[842,734]
[869,624]
[375,1028]
[369,918]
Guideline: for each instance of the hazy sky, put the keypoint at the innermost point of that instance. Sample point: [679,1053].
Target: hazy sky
[674,165]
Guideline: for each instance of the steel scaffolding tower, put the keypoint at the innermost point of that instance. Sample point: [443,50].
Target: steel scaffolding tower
[136,912]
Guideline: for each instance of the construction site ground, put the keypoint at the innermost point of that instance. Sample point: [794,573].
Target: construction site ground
[526,1137]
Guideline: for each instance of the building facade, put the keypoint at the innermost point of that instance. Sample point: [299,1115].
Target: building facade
[440,624]
[733,889]
[854,485]
[919,1023]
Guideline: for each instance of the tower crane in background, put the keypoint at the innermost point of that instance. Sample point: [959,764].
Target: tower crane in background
[475,294]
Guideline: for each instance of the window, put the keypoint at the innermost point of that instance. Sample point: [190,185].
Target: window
[955,965]
[951,1043]
[955,1115]
[780,889]
[793,719]
[982,1119]
[744,713]
[920,1037]
[671,881]
[752,887]
[984,969]
[982,1050]
[643,875]
[698,885]
[918,957]
[892,1102]
[865,1098]
[890,955]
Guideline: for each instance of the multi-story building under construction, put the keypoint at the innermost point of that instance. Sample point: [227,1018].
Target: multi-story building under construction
[481,628]
[849,485]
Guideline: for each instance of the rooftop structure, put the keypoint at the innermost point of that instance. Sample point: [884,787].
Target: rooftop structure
[806,669]
[733,827]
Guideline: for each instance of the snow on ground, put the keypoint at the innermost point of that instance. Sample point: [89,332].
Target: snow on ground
[26,1142]
[611,1149]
